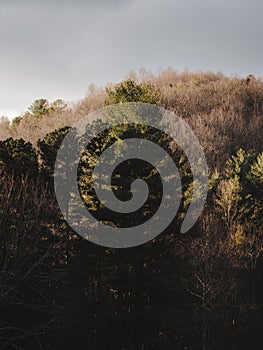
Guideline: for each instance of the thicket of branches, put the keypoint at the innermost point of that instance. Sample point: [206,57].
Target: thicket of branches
[201,290]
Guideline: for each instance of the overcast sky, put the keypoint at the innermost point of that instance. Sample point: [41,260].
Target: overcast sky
[55,49]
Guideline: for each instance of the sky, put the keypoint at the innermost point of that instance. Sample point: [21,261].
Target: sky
[55,49]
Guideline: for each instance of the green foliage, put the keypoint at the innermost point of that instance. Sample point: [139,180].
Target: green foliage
[256,171]
[229,199]
[239,165]
[239,189]
[214,180]
[49,146]
[18,155]
[130,91]
[39,107]
[255,178]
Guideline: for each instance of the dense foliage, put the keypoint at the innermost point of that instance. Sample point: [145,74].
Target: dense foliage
[201,290]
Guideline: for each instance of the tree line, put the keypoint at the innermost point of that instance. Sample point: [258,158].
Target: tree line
[201,290]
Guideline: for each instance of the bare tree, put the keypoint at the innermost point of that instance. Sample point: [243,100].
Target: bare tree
[30,262]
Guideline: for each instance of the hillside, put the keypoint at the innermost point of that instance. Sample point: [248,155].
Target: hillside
[198,290]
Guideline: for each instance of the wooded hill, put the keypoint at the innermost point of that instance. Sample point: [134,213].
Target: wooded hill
[201,290]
